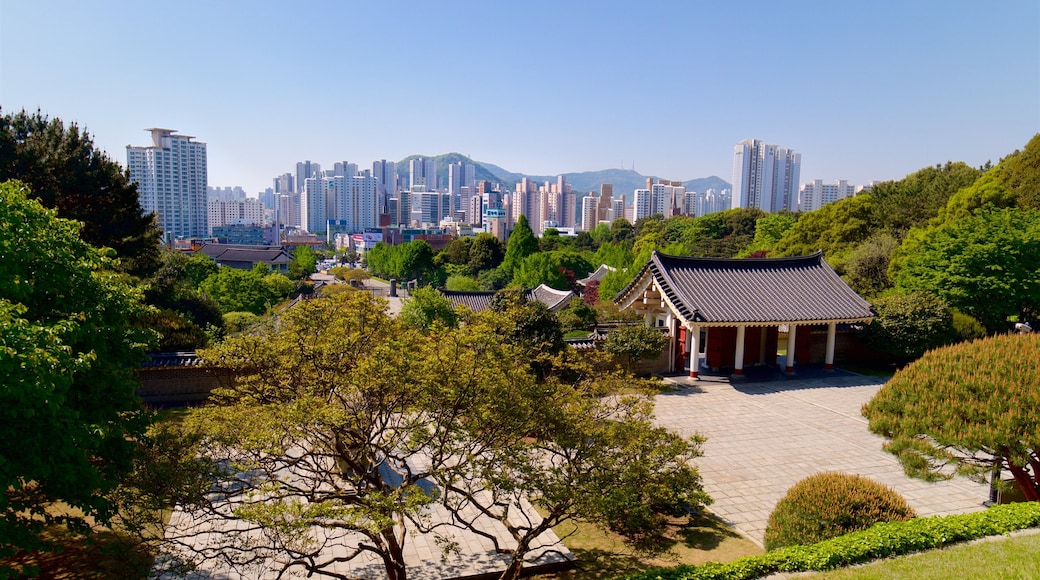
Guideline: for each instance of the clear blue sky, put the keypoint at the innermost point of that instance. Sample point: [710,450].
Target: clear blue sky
[863,90]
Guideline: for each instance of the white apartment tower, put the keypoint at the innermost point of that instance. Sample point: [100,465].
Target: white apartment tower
[422,172]
[171,181]
[765,176]
[817,194]
[385,173]
[236,211]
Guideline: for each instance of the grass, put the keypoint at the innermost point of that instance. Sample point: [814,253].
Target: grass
[602,554]
[1013,557]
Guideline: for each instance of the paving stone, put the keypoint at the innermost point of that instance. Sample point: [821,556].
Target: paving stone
[765,437]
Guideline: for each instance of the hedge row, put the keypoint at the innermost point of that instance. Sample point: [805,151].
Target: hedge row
[880,541]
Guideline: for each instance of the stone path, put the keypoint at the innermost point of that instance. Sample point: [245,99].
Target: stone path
[764,437]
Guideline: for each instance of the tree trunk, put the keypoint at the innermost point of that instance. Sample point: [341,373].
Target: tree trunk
[393,557]
[1025,482]
[516,563]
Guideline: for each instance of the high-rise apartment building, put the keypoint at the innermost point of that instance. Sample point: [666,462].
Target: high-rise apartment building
[603,208]
[385,173]
[589,212]
[422,172]
[234,212]
[765,176]
[817,194]
[171,179]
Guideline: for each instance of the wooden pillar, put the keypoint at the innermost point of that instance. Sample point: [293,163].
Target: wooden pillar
[693,339]
[828,359]
[762,346]
[789,363]
[738,357]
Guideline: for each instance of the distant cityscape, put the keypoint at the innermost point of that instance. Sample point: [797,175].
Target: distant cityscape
[350,207]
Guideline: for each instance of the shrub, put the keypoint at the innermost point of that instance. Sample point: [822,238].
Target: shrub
[827,505]
[881,541]
[966,327]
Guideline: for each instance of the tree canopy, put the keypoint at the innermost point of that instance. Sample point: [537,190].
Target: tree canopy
[521,244]
[971,406]
[348,421]
[68,408]
[66,172]
[984,265]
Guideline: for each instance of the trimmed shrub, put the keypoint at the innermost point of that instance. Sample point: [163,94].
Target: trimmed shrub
[827,505]
[966,327]
[881,541]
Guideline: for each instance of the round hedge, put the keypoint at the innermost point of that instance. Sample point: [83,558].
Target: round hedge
[827,505]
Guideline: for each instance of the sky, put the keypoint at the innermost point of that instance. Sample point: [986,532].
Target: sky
[863,90]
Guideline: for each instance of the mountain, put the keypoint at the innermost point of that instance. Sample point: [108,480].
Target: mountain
[625,181]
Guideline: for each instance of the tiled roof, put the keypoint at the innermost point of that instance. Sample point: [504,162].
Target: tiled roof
[172,359]
[244,253]
[475,301]
[551,297]
[478,301]
[599,274]
[721,290]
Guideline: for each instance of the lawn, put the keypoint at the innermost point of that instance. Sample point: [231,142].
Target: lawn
[1014,557]
[603,555]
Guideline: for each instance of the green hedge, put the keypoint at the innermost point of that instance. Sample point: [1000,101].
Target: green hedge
[880,541]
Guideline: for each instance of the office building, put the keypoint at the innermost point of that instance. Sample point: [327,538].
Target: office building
[171,179]
[765,176]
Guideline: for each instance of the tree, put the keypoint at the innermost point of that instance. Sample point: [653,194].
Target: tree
[621,230]
[635,342]
[835,228]
[984,264]
[968,408]
[237,290]
[866,270]
[521,244]
[912,201]
[907,325]
[462,284]
[550,268]
[68,409]
[427,307]
[486,252]
[769,229]
[64,170]
[347,421]
[304,263]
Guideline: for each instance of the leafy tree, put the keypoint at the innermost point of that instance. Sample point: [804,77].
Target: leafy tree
[176,333]
[427,307]
[907,325]
[237,290]
[64,170]
[621,230]
[591,294]
[278,285]
[969,406]
[550,268]
[577,316]
[649,224]
[199,267]
[984,265]
[866,270]
[456,252]
[618,255]
[172,288]
[494,280]
[304,263]
[769,229]
[486,252]
[550,240]
[836,228]
[416,262]
[521,244]
[462,284]
[584,241]
[635,342]
[68,409]
[1020,174]
[349,275]
[602,234]
[898,206]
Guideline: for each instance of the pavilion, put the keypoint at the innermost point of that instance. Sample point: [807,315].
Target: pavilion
[734,310]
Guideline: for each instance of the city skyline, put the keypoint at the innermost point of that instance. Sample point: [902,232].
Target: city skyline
[864,92]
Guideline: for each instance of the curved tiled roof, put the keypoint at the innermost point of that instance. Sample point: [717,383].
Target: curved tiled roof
[764,290]
[599,274]
[478,301]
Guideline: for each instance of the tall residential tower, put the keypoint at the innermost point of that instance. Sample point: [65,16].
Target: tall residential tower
[765,176]
[171,181]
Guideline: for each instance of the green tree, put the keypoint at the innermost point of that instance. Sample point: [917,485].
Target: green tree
[370,417]
[970,406]
[68,410]
[577,316]
[462,284]
[769,229]
[199,267]
[237,290]
[486,252]
[984,265]
[622,230]
[456,252]
[66,172]
[188,312]
[836,228]
[304,263]
[635,342]
[898,206]
[521,244]
[1020,174]
[907,325]
[866,270]
[416,262]
[427,307]
[551,269]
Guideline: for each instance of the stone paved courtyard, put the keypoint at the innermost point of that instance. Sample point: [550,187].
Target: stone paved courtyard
[763,437]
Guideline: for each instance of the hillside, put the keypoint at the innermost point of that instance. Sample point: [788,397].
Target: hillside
[625,181]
